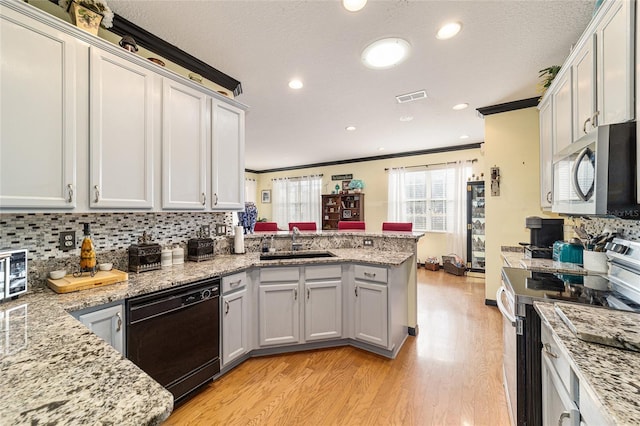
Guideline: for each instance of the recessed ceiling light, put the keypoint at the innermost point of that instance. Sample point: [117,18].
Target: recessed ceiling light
[448,30]
[350,128]
[464,137]
[354,5]
[385,53]
[406,118]
[295,84]
[381,148]
[458,107]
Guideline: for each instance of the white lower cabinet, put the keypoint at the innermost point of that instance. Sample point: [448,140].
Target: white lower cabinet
[106,322]
[279,307]
[371,308]
[234,325]
[323,302]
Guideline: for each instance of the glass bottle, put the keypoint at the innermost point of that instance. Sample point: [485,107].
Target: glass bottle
[87,251]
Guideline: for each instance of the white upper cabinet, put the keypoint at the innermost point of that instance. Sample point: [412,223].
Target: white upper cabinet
[616,89]
[562,112]
[227,174]
[121,137]
[584,89]
[184,144]
[37,114]
[546,155]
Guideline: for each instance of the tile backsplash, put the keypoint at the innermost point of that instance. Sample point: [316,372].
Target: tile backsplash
[112,234]
[629,229]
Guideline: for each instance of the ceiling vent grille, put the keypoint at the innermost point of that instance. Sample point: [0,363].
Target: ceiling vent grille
[410,97]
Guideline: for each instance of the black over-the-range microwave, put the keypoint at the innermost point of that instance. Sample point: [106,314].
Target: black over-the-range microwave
[598,174]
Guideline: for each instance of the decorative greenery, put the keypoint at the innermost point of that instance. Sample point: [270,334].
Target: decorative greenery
[356,184]
[547,75]
[98,6]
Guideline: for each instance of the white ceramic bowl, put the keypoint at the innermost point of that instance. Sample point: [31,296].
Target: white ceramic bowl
[105,266]
[56,275]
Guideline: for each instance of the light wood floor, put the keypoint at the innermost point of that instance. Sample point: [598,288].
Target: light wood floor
[449,375]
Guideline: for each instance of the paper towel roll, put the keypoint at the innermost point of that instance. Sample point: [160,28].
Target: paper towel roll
[238,239]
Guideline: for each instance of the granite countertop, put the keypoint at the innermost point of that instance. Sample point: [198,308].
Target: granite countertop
[54,370]
[515,259]
[610,374]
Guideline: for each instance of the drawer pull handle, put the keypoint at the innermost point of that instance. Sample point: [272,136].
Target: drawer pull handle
[235,283]
[370,274]
[547,350]
[119,323]
[564,415]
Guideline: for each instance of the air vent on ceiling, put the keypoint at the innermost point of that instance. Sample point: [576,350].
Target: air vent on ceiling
[410,97]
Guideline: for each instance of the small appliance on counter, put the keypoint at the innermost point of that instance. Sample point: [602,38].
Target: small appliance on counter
[567,252]
[544,233]
[144,256]
[13,273]
[199,249]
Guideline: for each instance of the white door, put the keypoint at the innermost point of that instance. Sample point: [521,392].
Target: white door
[278,313]
[234,326]
[184,147]
[107,324]
[546,155]
[227,165]
[616,64]
[323,310]
[584,90]
[121,141]
[37,114]
[562,113]
[371,320]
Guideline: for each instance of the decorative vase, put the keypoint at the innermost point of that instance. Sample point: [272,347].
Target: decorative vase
[84,18]
[357,190]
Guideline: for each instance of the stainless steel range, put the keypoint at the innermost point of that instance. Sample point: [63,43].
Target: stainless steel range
[619,289]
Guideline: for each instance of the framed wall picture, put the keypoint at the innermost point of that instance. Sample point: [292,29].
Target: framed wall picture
[266,196]
[345,185]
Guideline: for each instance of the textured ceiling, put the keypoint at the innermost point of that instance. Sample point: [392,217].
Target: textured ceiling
[495,59]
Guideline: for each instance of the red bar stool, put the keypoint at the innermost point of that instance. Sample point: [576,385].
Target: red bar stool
[397,226]
[303,226]
[350,224]
[265,227]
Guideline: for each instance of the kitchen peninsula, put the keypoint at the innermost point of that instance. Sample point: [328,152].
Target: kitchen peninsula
[59,371]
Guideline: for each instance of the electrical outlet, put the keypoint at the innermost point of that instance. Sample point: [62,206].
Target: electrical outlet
[205,230]
[67,240]
[367,242]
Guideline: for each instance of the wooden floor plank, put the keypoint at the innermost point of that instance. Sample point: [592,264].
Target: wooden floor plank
[451,374]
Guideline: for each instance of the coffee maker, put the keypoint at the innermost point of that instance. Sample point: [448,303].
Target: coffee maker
[544,232]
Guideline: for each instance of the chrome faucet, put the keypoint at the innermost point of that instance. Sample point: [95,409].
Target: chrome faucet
[295,246]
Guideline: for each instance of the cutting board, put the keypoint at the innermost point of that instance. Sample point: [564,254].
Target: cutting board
[620,329]
[70,283]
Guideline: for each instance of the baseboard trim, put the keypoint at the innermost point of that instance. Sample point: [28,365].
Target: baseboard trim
[490,302]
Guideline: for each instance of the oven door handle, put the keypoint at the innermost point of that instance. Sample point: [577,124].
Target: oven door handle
[508,315]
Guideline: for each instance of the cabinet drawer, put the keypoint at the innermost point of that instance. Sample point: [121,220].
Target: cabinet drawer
[234,282]
[279,274]
[558,357]
[323,272]
[371,273]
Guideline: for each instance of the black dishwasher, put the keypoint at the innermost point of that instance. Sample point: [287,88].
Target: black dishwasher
[174,336]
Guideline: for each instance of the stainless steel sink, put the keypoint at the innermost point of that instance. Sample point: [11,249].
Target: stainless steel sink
[305,254]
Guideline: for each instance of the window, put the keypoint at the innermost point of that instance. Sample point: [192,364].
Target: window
[424,197]
[297,200]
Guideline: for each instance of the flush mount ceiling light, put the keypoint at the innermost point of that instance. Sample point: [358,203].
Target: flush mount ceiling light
[295,84]
[353,5]
[458,107]
[350,128]
[464,137]
[448,30]
[381,148]
[385,53]
[406,118]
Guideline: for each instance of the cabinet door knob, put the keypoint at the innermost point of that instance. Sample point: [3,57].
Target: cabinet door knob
[584,126]
[356,291]
[547,350]
[549,197]
[215,197]
[97,193]
[308,294]
[119,323]
[204,198]
[226,307]
[564,415]
[69,193]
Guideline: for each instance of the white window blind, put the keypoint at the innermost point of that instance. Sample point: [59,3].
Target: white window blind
[296,200]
